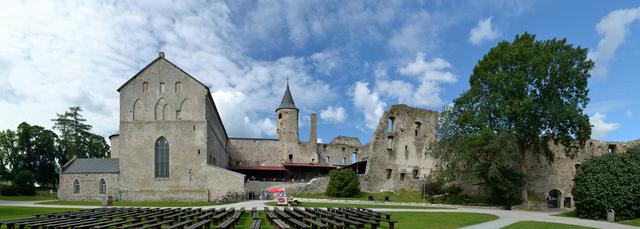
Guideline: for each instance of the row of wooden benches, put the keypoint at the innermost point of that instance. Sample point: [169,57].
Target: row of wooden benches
[123,218]
[317,218]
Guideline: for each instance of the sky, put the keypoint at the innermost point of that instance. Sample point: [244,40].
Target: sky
[347,61]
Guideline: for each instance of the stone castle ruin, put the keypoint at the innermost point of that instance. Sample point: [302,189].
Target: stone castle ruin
[172,146]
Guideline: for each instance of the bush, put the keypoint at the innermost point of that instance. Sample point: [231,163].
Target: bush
[343,183]
[609,181]
[8,190]
[23,183]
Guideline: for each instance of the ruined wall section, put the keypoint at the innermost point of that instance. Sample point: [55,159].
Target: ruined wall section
[340,151]
[396,153]
[559,174]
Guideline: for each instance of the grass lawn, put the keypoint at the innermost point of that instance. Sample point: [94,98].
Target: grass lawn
[400,196]
[10,212]
[633,222]
[131,204]
[567,214]
[543,225]
[438,219]
[246,220]
[40,195]
[341,205]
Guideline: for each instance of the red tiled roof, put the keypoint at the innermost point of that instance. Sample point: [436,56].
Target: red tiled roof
[266,167]
[292,164]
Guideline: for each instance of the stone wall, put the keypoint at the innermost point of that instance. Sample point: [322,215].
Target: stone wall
[89,186]
[254,152]
[315,185]
[397,152]
[339,151]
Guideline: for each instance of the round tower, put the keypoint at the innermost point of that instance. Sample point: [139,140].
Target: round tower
[287,118]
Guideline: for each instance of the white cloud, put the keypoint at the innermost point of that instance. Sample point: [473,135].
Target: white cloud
[600,127]
[429,74]
[333,114]
[613,28]
[59,54]
[484,31]
[320,140]
[628,113]
[368,102]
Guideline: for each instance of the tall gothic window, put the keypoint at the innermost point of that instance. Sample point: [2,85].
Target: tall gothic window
[76,186]
[162,158]
[103,186]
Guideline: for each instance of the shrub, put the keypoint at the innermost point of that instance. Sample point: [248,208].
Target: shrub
[23,183]
[8,190]
[343,183]
[609,181]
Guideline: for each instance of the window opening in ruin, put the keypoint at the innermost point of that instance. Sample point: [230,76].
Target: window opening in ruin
[324,147]
[416,173]
[162,88]
[103,186]
[577,166]
[290,157]
[76,186]
[279,116]
[418,125]
[344,160]
[343,149]
[327,158]
[390,124]
[389,173]
[162,158]
[354,157]
[406,152]
[612,148]
[178,87]
[178,115]
[402,176]
[313,160]
[390,142]
[567,202]
[145,86]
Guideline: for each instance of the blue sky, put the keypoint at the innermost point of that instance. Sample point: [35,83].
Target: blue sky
[348,61]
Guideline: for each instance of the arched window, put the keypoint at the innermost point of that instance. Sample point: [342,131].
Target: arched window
[103,186]
[162,158]
[327,158]
[76,186]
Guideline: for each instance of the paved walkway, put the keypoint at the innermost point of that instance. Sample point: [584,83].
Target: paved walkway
[506,217]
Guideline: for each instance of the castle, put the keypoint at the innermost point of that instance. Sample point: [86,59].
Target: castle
[172,146]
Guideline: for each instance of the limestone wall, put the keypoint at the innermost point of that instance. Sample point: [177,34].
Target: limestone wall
[115,146]
[315,185]
[254,152]
[89,186]
[340,150]
[397,151]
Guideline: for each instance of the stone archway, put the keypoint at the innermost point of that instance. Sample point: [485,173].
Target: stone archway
[554,199]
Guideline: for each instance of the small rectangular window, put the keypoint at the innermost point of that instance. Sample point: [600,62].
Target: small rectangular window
[416,173]
[389,171]
[402,176]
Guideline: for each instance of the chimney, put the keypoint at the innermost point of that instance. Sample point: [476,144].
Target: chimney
[313,134]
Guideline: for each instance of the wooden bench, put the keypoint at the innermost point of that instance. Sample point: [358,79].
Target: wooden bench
[297,223]
[279,224]
[331,223]
[180,225]
[205,223]
[116,224]
[255,224]
[157,225]
[231,222]
[315,224]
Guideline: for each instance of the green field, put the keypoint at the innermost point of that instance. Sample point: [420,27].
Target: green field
[40,195]
[9,212]
[341,205]
[633,222]
[130,204]
[543,225]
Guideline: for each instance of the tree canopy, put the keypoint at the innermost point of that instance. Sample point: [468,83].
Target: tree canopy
[76,139]
[523,94]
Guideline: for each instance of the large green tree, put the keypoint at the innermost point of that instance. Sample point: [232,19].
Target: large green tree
[523,95]
[76,138]
[31,148]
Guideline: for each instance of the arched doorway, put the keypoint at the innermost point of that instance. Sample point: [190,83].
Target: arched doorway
[554,198]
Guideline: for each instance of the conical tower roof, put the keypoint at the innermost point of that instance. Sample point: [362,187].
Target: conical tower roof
[287,100]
